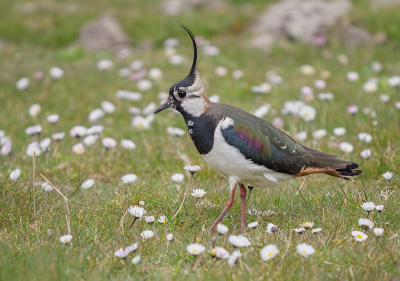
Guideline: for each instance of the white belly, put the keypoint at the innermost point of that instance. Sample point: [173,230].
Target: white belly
[229,162]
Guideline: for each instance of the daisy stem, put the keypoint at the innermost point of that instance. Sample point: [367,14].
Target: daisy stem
[34,186]
[184,196]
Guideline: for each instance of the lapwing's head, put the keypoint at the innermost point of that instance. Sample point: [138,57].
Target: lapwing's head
[188,96]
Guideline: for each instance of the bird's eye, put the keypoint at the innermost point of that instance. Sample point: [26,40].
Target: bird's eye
[182,94]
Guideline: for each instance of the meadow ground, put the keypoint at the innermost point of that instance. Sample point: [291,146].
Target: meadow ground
[32,219]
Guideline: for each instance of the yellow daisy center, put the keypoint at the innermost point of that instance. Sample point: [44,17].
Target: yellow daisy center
[305,252]
[359,236]
[270,254]
[165,221]
[198,194]
[79,150]
[194,251]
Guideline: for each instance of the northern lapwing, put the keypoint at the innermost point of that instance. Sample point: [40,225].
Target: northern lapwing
[242,147]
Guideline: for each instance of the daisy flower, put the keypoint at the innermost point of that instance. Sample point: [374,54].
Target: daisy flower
[379,208]
[305,250]
[96,115]
[178,177]
[121,253]
[269,252]
[340,131]
[368,206]
[307,225]
[299,230]
[65,239]
[128,144]
[307,113]
[77,132]
[78,148]
[22,84]
[378,232]
[237,74]
[365,224]
[214,98]
[319,134]
[192,169]
[147,234]
[387,176]
[170,236]
[33,150]
[149,219]
[136,260]
[107,106]
[129,178]
[366,153]
[222,229]
[262,111]
[346,147]
[316,230]
[52,119]
[177,132]
[15,174]
[253,224]
[220,253]
[271,228]
[109,143]
[198,192]
[359,236]
[136,211]
[220,71]
[163,220]
[195,249]
[56,73]
[239,241]
[233,257]
[307,70]
[87,184]
[90,140]
[35,109]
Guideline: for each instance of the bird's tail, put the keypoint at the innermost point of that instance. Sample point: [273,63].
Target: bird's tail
[330,165]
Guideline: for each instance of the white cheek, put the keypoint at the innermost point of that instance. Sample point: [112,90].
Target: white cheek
[194,106]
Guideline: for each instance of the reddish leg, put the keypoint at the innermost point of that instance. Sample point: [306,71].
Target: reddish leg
[242,207]
[228,205]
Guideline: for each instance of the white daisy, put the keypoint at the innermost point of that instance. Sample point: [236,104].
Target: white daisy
[15,174]
[262,111]
[147,234]
[346,147]
[222,229]
[170,236]
[155,74]
[129,178]
[56,73]
[192,168]
[45,144]
[253,224]
[269,252]
[52,119]
[127,95]
[220,253]
[301,136]
[394,81]
[144,85]
[95,130]
[307,225]
[6,149]
[108,107]
[237,74]
[214,98]
[387,176]
[307,70]
[239,241]
[319,134]
[359,236]
[90,140]
[198,192]
[65,239]
[77,132]
[305,250]
[211,51]
[299,230]
[46,187]
[220,71]
[136,211]
[35,109]
[137,65]
[195,249]
[326,96]
[109,143]
[340,131]
[33,150]
[370,87]
[136,260]
[128,144]
[307,113]
[365,224]
[177,132]
[140,123]
[316,230]
[233,257]
[105,65]
[271,228]
[96,115]
[368,206]
[22,84]
[87,183]
[178,177]
[366,153]
[163,220]
[352,76]
[378,232]
[176,59]
[379,208]
[365,137]
[78,148]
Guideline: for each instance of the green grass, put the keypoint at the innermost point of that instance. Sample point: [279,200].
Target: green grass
[45,37]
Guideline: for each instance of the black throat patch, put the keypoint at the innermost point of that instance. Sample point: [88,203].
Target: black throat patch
[201,130]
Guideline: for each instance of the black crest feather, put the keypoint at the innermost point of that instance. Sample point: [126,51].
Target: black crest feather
[194,64]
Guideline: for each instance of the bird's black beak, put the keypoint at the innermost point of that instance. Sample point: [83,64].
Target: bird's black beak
[165,105]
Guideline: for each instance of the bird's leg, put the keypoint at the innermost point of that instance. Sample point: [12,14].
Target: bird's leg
[228,205]
[250,190]
[242,207]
